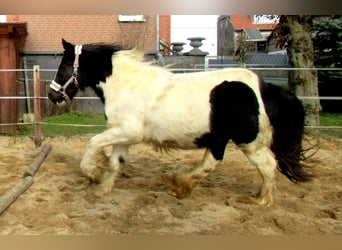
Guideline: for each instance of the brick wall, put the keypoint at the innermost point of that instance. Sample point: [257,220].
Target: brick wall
[165,27]
[46,31]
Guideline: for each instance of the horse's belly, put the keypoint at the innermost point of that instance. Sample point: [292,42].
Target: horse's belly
[173,137]
[177,130]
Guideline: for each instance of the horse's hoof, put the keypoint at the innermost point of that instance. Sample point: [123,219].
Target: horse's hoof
[172,193]
[179,194]
[93,168]
[94,176]
[102,190]
[245,199]
[178,187]
[254,200]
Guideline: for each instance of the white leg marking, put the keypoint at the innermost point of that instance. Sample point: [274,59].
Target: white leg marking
[266,164]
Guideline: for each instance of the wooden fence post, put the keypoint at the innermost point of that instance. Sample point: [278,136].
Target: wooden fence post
[37,115]
[7,199]
[27,87]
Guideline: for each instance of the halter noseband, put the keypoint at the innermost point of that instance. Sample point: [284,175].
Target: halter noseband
[73,79]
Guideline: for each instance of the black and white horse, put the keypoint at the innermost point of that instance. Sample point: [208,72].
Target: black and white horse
[145,103]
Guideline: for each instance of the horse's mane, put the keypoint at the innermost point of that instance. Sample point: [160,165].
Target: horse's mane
[104,47]
[117,49]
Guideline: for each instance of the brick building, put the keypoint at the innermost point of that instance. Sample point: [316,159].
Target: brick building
[254,31]
[42,44]
[45,31]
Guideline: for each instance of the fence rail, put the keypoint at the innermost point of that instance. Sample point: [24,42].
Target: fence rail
[37,83]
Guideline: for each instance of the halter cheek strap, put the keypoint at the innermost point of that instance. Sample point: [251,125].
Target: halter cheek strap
[73,79]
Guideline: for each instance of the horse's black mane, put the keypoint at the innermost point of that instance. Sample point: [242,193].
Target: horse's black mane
[104,47]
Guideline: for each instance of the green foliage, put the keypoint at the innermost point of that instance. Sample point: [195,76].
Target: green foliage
[69,124]
[58,125]
[331,119]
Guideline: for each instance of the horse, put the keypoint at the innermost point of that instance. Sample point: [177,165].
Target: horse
[145,103]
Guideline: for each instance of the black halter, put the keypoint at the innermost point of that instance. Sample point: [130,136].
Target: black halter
[73,79]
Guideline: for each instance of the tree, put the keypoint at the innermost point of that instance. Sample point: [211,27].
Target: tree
[294,32]
[244,46]
[327,40]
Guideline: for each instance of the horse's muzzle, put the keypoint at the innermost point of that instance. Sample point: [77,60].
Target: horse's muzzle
[55,97]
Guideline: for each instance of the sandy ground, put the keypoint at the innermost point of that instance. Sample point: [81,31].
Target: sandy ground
[62,202]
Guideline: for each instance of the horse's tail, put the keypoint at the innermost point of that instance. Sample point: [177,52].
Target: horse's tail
[286,114]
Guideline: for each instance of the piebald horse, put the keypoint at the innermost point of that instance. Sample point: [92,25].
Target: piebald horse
[146,103]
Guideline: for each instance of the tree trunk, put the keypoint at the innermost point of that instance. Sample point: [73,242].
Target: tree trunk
[301,55]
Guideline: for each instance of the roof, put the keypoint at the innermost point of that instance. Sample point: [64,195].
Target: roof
[254,35]
[244,22]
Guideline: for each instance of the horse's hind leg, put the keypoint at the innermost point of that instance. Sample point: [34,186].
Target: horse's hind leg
[266,164]
[181,185]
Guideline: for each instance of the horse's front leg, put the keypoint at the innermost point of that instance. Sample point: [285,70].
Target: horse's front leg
[180,185]
[118,157]
[94,161]
[96,166]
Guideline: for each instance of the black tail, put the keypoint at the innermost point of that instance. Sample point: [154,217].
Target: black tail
[286,114]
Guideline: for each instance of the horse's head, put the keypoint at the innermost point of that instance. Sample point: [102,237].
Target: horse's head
[81,67]
[65,85]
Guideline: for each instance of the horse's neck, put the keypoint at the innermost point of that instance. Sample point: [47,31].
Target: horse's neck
[136,79]
[130,70]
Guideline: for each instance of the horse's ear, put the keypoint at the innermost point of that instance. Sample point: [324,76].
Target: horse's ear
[67,45]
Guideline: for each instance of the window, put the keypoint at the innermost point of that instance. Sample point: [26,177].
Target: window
[2,18]
[262,46]
[131,18]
